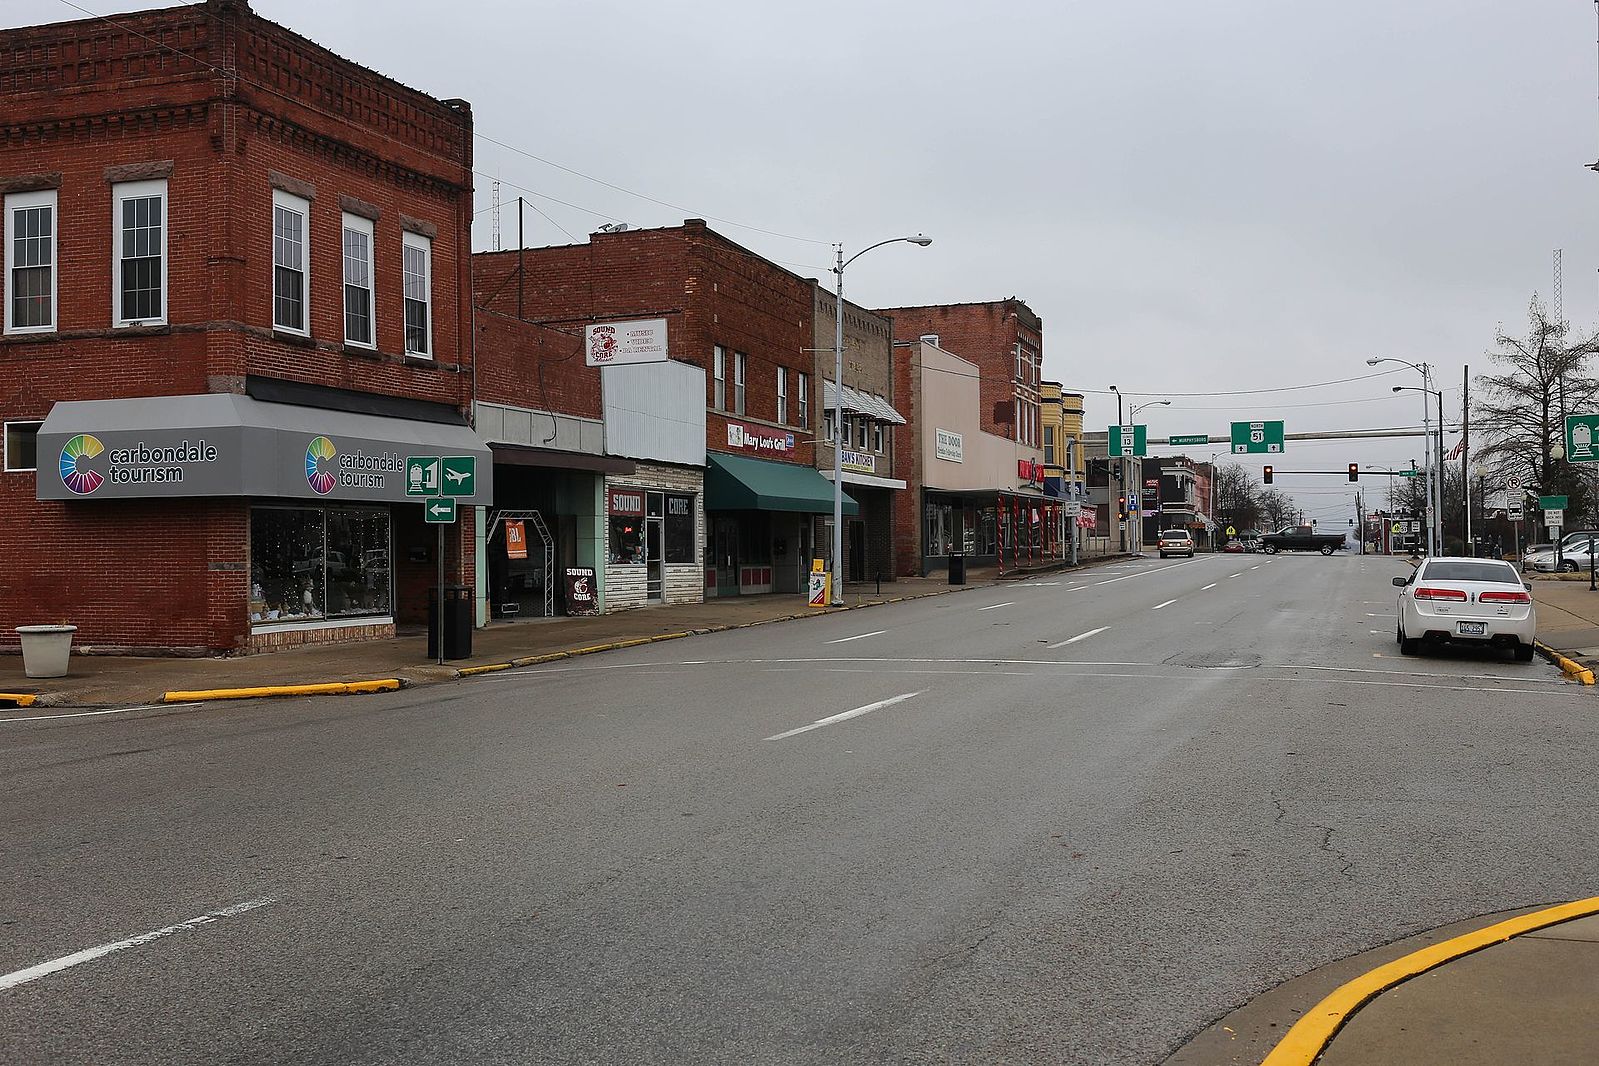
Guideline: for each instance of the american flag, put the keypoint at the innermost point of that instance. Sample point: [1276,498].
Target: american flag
[1455,452]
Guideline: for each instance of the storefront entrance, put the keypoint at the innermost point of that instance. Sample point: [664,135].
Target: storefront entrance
[654,548]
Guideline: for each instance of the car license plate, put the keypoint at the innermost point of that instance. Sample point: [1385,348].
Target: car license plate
[1472,629]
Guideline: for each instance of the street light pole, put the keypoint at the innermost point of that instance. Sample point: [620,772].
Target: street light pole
[1426,391]
[1121,471]
[1132,416]
[838,402]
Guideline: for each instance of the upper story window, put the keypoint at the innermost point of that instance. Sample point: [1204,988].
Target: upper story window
[877,437]
[358,324]
[829,429]
[863,426]
[22,445]
[740,365]
[1049,445]
[782,395]
[418,295]
[291,218]
[30,258]
[804,400]
[138,218]
[719,378]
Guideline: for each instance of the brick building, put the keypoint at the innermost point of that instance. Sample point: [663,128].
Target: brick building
[204,443]
[748,326]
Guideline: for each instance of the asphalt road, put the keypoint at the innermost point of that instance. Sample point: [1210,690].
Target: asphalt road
[1025,847]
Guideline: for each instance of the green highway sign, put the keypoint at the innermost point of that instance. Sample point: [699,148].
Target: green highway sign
[1193,438]
[1582,438]
[440,512]
[1253,437]
[458,475]
[422,475]
[1409,473]
[1553,503]
[1128,441]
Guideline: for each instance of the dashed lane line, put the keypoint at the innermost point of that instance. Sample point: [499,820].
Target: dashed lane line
[1158,606]
[846,715]
[1078,637]
[858,636]
[997,606]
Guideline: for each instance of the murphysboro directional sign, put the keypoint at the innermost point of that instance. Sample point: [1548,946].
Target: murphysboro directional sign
[1252,437]
[1582,438]
[1192,438]
[1128,440]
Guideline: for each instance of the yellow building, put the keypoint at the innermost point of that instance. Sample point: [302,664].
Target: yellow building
[1061,417]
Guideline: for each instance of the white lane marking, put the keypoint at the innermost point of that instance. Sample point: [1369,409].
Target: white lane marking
[1377,631]
[1409,684]
[1239,574]
[1417,673]
[845,716]
[1208,587]
[77,958]
[1080,636]
[997,606]
[96,714]
[1377,614]
[1158,606]
[1255,567]
[1142,573]
[858,636]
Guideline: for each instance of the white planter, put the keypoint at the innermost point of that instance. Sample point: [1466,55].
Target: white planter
[46,649]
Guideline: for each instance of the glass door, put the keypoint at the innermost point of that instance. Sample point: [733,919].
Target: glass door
[653,546]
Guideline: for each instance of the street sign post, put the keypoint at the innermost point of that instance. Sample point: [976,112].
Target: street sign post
[1192,438]
[1582,438]
[440,511]
[1257,437]
[1128,441]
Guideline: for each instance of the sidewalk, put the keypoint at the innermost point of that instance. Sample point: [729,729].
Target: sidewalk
[1568,615]
[107,680]
[1505,988]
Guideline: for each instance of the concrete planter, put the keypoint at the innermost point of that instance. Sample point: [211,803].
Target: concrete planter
[46,649]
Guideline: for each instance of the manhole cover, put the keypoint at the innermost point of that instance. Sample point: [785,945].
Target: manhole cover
[1217,660]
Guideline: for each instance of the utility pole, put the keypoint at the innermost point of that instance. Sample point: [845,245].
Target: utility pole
[1465,455]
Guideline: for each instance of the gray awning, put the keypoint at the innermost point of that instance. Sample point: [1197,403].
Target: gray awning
[862,403]
[223,444]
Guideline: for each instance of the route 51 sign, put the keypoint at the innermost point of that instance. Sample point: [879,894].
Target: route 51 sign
[1257,437]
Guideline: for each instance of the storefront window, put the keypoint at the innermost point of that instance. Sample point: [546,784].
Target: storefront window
[940,529]
[627,539]
[286,571]
[358,563]
[987,532]
[679,529]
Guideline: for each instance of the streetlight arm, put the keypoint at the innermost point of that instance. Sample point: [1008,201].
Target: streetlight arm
[918,239]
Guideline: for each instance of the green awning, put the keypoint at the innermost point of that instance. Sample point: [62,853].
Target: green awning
[735,483]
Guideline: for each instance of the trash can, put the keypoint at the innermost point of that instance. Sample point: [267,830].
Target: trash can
[957,569]
[457,622]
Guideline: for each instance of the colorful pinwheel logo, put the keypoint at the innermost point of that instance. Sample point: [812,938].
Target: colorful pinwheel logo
[75,472]
[318,465]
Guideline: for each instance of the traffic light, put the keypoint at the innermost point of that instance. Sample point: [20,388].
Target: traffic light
[1354,471]
[1121,508]
[1265,475]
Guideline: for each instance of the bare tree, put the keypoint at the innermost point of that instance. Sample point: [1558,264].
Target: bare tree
[1277,508]
[1234,495]
[1520,411]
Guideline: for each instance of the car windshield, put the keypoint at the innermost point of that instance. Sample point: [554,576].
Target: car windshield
[1470,570]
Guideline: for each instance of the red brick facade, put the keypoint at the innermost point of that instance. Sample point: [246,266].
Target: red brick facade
[224,106]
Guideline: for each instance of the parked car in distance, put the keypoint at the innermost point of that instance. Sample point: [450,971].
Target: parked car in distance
[1233,547]
[1573,554]
[1176,542]
[1301,539]
[1482,602]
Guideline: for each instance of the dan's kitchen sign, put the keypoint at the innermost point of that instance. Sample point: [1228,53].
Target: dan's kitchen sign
[759,440]
[618,343]
[859,462]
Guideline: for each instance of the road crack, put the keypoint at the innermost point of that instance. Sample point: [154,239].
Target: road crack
[1325,844]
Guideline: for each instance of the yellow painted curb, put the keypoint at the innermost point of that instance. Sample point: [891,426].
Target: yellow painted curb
[1309,1037]
[1570,667]
[336,688]
[19,699]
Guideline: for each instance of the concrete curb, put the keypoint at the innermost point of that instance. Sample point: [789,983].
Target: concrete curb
[1573,670]
[1304,1043]
[335,688]
[19,699]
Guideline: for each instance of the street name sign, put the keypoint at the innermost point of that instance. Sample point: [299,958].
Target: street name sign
[1582,438]
[1553,503]
[1257,437]
[458,475]
[1409,473]
[1128,440]
[1192,438]
[441,511]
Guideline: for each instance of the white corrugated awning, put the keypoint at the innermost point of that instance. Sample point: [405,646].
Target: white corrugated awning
[862,403]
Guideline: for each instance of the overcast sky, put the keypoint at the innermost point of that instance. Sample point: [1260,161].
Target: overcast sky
[1196,197]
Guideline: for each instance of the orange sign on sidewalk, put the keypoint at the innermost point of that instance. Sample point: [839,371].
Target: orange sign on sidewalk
[515,539]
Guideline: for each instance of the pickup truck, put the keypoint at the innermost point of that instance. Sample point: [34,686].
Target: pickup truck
[1300,539]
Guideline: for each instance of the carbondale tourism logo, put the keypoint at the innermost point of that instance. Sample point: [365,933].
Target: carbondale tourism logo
[82,471]
[327,468]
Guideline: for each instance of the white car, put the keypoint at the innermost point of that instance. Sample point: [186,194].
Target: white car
[1480,602]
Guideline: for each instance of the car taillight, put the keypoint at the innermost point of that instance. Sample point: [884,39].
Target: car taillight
[1504,597]
[1425,593]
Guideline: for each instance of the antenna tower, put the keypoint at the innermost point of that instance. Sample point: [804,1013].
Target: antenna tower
[1559,300]
[494,202]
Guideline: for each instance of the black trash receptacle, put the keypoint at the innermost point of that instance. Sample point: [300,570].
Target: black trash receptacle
[457,622]
[957,569]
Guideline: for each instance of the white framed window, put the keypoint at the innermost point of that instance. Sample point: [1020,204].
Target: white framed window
[30,262]
[291,232]
[863,426]
[828,425]
[139,253]
[418,295]
[360,327]
[21,445]
[719,378]
[804,400]
[1049,445]
[740,365]
[782,395]
[877,437]
[848,434]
